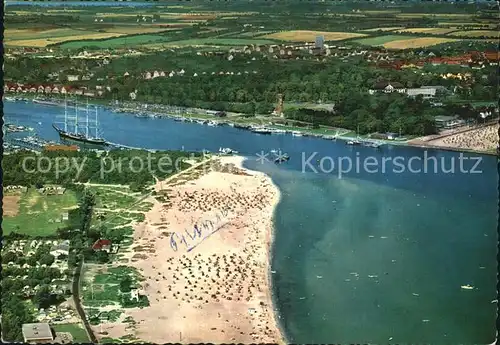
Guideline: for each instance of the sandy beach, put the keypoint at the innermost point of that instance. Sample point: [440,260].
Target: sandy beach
[482,139]
[209,282]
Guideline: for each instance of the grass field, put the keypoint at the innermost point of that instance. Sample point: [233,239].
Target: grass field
[433,31]
[475,33]
[76,330]
[310,36]
[36,212]
[390,28]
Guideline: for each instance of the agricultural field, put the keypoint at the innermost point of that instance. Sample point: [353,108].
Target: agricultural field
[432,31]
[475,33]
[310,36]
[125,41]
[218,42]
[43,36]
[390,28]
[34,208]
[403,42]
[419,42]
[44,42]
[381,40]
[254,33]
[133,30]
[438,15]
[476,24]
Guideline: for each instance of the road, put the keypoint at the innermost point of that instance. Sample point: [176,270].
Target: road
[78,304]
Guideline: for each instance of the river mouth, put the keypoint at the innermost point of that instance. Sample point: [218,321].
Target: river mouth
[360,257]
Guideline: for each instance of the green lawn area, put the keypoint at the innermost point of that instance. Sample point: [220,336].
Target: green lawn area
[76,330]
[131,40]
[106,286]
[380,40]
[37,210]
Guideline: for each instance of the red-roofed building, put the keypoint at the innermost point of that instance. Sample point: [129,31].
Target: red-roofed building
[102,244]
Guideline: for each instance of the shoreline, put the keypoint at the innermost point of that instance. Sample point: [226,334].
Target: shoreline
[246,239]
[414,142]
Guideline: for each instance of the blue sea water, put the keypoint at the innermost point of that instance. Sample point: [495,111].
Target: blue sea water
[360,257]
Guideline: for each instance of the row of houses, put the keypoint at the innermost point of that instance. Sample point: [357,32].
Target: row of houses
[427,92]
[55,89]
[474,59]
[162,74]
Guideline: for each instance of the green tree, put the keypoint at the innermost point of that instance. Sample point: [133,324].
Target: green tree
[125,284]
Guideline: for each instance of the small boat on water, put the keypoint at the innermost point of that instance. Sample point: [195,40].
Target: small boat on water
[282,158]
[353,142]
[212,123]
[319,277]
[42,102]
[296,134]
[369,143]
[227,151]
[467,287]
[278,131]
[261,130]
[302,298]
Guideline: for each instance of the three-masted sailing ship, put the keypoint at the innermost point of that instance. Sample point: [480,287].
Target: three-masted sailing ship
[80,131]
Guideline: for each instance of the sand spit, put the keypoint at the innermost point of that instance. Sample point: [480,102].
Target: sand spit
[209,283]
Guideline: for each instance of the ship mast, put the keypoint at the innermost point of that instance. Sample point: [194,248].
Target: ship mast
[87,127]
[65,115]
[96,134]
[76,117]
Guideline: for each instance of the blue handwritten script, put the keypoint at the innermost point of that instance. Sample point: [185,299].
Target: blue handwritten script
[201,232]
